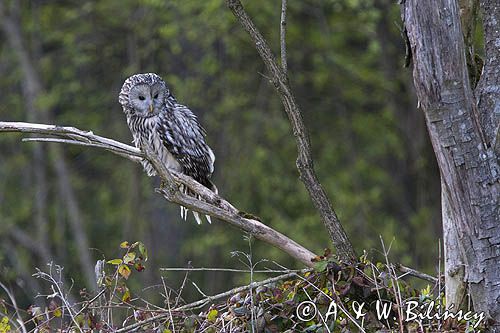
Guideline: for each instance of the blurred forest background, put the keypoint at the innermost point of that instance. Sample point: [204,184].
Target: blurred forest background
[63,62]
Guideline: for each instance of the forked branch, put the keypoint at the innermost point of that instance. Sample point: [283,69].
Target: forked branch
[304,162]
[212,204]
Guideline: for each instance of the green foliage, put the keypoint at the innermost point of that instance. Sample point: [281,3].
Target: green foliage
[121,273]
[369,142]
[336,297]
[4,325]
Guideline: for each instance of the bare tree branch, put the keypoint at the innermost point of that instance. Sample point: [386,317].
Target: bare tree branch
[284,63]
[415,273]
[213,204]
[304,161]
[200,303]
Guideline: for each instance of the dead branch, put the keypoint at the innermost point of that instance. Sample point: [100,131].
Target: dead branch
[200,303]
[212,203]
[417,274]
[304,161]
[284,63]
[214,269]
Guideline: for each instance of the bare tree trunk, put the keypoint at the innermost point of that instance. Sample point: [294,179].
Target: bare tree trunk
[463,137]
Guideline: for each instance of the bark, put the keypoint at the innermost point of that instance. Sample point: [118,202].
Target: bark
[304,161]
[462,138]
[454,264]
[488,90]
[213,204]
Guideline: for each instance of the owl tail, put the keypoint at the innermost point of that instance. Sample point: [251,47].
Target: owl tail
[184,210]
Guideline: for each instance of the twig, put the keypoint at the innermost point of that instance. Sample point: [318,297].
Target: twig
[179,296]
[395,284]
[198,289]
[167,297]
[304,161]
[14,305]
[205,269]
[284,63]
[203,302]
[338,300]
[415,273]
[233,291]
[212,203]
[87,304]
[79,143]
[59,292]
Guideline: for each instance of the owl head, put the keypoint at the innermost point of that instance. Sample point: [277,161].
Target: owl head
[143,95]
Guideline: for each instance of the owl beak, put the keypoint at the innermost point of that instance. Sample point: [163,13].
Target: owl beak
[151,108]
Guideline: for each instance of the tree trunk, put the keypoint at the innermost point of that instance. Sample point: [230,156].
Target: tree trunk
[463,139]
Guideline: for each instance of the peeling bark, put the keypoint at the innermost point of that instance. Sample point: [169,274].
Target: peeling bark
[454,264]
[461,137]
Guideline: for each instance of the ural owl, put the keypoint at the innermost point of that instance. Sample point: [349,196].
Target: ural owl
[170,129]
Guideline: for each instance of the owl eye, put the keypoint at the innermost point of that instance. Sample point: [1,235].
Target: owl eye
[142,98]
[155,96]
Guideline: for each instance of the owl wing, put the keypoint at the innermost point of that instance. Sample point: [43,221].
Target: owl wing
[184,138]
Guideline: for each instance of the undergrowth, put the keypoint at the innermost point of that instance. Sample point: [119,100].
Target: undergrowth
[332,297]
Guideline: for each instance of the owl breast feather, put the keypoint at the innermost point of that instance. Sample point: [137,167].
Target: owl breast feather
[145,133]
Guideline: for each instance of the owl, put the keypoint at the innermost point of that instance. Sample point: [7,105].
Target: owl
[171,130]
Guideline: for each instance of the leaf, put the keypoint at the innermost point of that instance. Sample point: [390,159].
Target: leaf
[320,266]
[124,245]
[139,267]
[124,271]
[143,251]
[108,281]
[57,313]
[80,319]
[212,315]
[129,258]
[126,295]
[115,262]
[4,325]
[190,321]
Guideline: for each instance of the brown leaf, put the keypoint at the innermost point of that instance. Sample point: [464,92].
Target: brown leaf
[124,271]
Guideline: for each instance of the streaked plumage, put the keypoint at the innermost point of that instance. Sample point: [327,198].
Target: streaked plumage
[170,129]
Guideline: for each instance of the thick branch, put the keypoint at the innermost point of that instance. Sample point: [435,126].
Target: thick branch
[212,203]
[200,303]
[488,88]
[305,164]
